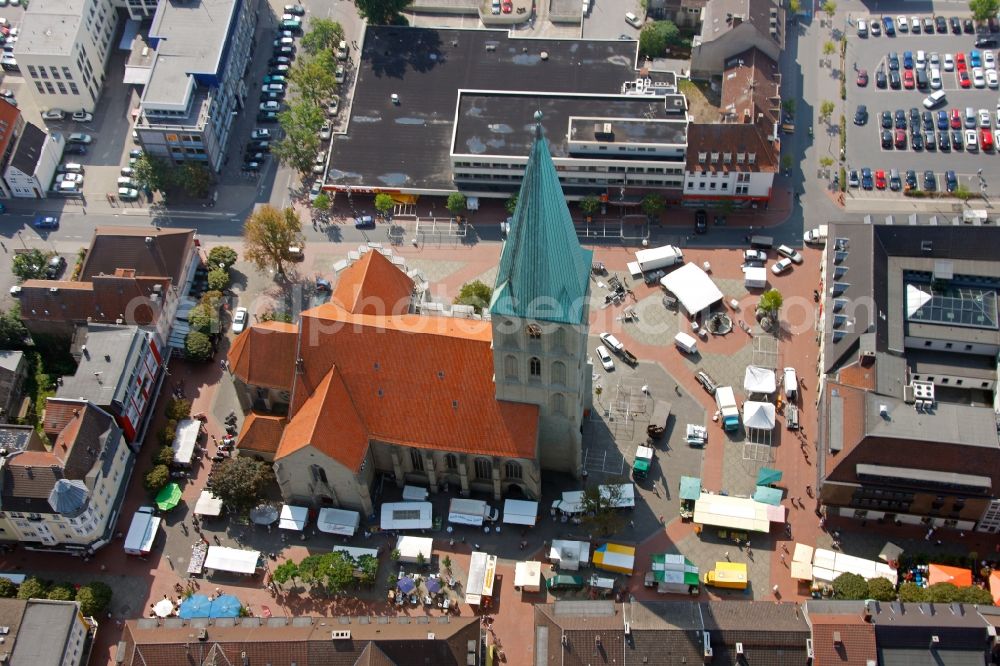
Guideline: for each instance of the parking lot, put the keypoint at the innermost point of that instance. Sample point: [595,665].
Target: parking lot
[865,143]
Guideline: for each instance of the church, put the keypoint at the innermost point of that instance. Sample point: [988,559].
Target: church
[364,385]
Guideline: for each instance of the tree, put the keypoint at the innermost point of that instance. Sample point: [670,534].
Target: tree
[881,589]
[338,569]
[830,7]
[165,455]
[850,586]
[166,437]
[384,203]
[369,568]
[275,315]
[657,37]
[322,203]
[94,598]
[285,572]
[156,478]
[511,204]
[826,110]
[195,179]
[152,173]
[476,293]
[301,122]
[61,592]
[204,319]
[826,161]
[13,332]
[456,203]
[380,12]
[33,588]
[222,254]
[311,569]
[829,48]
[771,301]
[590,205]
[198,346]
[912,593]
[975,595]
[984,10]
[218,279]
[239,482]
[786,162]
[794,6]
[789,106]
[653,204]
[314,77]
[30,265]
[267,235]
[446,563]
[7,589]
[601,515]
[323,35]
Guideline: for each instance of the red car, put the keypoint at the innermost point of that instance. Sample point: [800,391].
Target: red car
[908,79]
[900,139]
[508,7]
[862,78]
[960,62]
[963,79]
[956,119]
[985,139]
[880,179]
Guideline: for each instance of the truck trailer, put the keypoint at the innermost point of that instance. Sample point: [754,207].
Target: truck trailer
[658,257]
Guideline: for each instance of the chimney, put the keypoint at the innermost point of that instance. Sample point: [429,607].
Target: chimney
[836,639]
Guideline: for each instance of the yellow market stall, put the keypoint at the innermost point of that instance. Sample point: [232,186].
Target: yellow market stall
[615,557]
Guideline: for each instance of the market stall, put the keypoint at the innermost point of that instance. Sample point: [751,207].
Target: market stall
[693,288]
[690,491]
[758,415]
[571,503]
[407,516]
[768,495]
[768,477]
[828,564]
[570,555]
[293,517]
[738,513]
[411,548]
[615,557]
[208,504]
[957,576]
[801,568]
[482,571]
[759,380]
[671,573]
[414,494]
[169,497]
[338,521]
[520,512]
[234,560]
[197,562]
[995,586]
[528,576]
[185,440]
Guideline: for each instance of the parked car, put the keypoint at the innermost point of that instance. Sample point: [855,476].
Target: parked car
[46,222]
[79,137]
[930,181]
[951,180]
[326,131]
[911,180]
[754,257]
[706,381]
[566,582]
[128,193]
[781,266]
[53,114]
[297,10]
[340,74]
[333,108]
[605,356]
[700,222]
[364,222]
[861,115]
[82,116]
[633,20]
[315,190]
[54,267]
[75,149]
[260,133]
[240,320]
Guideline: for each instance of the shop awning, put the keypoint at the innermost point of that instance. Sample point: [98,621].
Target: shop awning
[759,380]
[758,415]
[802,553]
[768,477]
[768,495]
[940,573]
[338,521]
[293,517]
[520,512]
[208,504]
[569,554]
[221,558]
[615,557]
[690,487]
[802,571]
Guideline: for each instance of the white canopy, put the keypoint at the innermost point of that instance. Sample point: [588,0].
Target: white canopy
[338,521]
[414,494]
[221,558]
[482,570]
[208,504]
[828,564]
[693,288]
[185,439]
[754,277]
[407,516]
[758,415]
[520,512]
[738,513]
[759,380]
[571,502]
[626,495]
[528,576]
[410,547]
[293,517]
[569,554]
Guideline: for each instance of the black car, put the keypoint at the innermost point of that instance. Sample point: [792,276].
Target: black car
[251,156]
[956,139]
[944,143]
[262,146]
[941,24]
[251,166]
[279,60]
[55,267]
[942,121]
[267,117]
[956,25]
[893,62]
[895,182]
[894,80]
[700,222]
[75,149]
[886,138]
[914,116]
[861,115]
[986,42]
[929,142]
[900,119]
[951,181]
[968,26]
[880,79]
[866,179]
[917,141]
[911,179]
[886,120]
[930,181]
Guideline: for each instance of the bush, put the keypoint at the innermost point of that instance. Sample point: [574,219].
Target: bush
[33,588]
[178,409]
[7,589]
[164,456]
[203,318]
[975,595]
[881,589]
[62,592]
[167,434]
[218,279]
[156,478]
[912,593]
[943,593]
[222,254]
[198,347]
[850,586]
[94,598]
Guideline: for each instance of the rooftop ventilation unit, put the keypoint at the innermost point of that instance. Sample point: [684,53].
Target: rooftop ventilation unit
[739,648]
[340,635]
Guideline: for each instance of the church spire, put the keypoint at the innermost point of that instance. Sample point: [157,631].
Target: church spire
[543,271]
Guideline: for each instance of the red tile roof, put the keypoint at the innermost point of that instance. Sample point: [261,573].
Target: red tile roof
[751,86]
[373,285]
[105,299]
[733,138]
[328,422]
[149,252]
[9,121]
[59,413]
[857,640]
[261,433]
[264,355]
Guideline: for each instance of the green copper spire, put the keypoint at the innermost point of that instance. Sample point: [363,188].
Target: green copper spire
[543,273]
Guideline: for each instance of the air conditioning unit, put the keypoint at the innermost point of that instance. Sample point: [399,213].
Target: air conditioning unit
[739,648]
[340,635]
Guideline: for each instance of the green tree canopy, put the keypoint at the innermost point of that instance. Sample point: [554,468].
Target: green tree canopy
[285,572]
[94,598]
[61,592]
[657,37]
[380,12]
[771,301]
[975,595]
[153,173]
[476,293]
[829,7]
[7,589]
[912,593]
[239,482]
[204,319]
[511,204]
[456,203]
[984,10]
[653,204]
[322,202]
[33,588]
[324,35]
[881,589]
[794,6]
[195,179]
[850,586]
[314,78]
[198,346]
[13,333]
[369,568]
[301,122]
[218,279]
[267,235]
[164,455]
[826,109]
[384,203]
[30,265]
[590,205]
[601,516]
[156,478]
[222,254]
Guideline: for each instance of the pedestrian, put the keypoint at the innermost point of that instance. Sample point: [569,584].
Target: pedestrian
[727,557]
[784,547]
[783,560]
[775,590]
[809,491]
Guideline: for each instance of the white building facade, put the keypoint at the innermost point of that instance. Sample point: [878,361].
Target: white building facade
[33,163]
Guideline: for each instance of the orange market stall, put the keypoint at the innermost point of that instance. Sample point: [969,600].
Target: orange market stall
[957,576]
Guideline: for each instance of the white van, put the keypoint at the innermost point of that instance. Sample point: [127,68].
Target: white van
[791,383]
[72,167]
[612,342]
[935,99]
[686,343]
[862,28]
[125,181]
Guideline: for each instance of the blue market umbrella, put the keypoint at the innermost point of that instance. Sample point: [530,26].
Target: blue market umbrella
[433,586]
[406,585]
[225,606]
[197,605]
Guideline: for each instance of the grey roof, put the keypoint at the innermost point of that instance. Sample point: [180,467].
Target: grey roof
[925,657]
[43,636]
[29,148]
[947,423]
[50,27]
[191,40]
[69,498]
[111,351]
[934,363]
[15,438]
[890,371]
[10,360]
[833,607]
[427,68]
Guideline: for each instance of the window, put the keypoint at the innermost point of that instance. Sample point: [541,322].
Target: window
[558,404]
[43,73]
[55,71]
[48,86]
[512,470]
[32,72]
[451,461]
[510,367]
[484,468]
[558,372]
[62,88]
[559,339]
[67,74]
[417,460]
[40,87]
[318,473]
[535,367]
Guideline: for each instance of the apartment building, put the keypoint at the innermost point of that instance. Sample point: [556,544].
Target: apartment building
[43,632]
[11,128]
[63,51]
[194,85]
[33,160]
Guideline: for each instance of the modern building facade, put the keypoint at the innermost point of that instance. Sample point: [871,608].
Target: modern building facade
[195,85]
[63,51]
[43,632]
[32,166]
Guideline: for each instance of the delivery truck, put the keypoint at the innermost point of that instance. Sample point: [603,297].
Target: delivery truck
[658,257]
[142,532]
[728,411]
[729,575]
[817,235]
[471,512]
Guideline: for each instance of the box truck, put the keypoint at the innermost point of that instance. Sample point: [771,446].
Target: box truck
[142,532]
[730,575]
[658,257]
[728,411]
[817,235]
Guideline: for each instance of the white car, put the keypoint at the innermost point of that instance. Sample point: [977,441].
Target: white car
[315,190]
[936,78]
[71,177]
[984,118]
[605,356]
[82,116]
[788,252]
[781,266]
[260,134]
[991,78]
[901,24]
[934,60]
[978,79]
[998,114]
[54,114]
[633,20]
[921,60]
[325,131]
[240,320]
[949,62]
[79,137]
[971,141]
[989,59]
[612,342]
[270,106]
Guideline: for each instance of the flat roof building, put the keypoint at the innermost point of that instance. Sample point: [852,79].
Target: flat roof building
[42,632]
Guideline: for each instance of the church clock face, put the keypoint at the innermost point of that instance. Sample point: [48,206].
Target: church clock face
[534,331]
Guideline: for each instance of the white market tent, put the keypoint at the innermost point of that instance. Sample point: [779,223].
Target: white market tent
[738,513]
[338,521]
[185,439]
[482,570]
[571,502]
[221,558]
[414,494]
[758,415]
[293,517]
[759,380]
[528,576]
[693,288]
[208,504]
[569,554]
[411,547]
[407,516]
[827,565]
[520,512]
